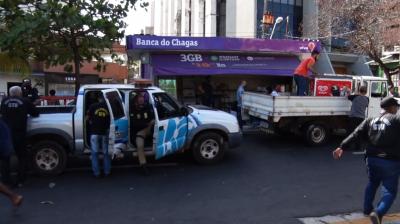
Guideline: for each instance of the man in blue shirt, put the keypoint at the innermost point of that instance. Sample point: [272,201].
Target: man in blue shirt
[239,95]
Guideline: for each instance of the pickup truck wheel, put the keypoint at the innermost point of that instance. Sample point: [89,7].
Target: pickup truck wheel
[208,148]
[49,158]
[317,134]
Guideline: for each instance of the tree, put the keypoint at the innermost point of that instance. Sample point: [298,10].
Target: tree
[10,64]
[369,25]
[63,32]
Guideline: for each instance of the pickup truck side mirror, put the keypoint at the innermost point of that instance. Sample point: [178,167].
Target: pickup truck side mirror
[184,111]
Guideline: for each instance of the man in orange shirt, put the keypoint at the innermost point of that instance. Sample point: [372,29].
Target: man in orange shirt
[301,73]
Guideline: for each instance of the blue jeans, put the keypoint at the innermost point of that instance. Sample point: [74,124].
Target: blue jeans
[302,85]
[97,142]
[381,171]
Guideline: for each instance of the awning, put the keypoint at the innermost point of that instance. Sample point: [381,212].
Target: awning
[210,64]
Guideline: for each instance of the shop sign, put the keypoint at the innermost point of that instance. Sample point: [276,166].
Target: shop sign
[193,63]
[140,42]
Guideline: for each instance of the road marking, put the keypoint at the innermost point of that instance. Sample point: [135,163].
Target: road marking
[350,218]
[359,153]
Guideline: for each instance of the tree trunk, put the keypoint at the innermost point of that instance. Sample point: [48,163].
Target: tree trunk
[77,65]
[386,70]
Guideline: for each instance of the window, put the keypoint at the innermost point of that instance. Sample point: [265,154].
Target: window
[168,85]
[281,8]
[116,104]
[166,106]
[221,18]
[378,89]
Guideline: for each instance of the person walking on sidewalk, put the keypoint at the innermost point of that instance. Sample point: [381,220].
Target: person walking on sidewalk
[382,157]
[357,113]
[301,73]
[99,125]
[239,95]
[15,111]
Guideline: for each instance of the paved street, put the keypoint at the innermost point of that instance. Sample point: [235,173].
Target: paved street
[266,180]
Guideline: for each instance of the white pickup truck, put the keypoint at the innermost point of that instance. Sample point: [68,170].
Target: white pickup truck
[313,117]
[61,132]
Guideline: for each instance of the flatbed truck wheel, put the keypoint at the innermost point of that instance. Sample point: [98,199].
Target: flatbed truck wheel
[316,134]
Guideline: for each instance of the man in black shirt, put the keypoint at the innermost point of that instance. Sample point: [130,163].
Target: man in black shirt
[142,122]
[15,110]
[382,157]
[99,125]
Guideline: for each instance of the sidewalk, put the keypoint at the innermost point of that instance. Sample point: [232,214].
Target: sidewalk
[353,218]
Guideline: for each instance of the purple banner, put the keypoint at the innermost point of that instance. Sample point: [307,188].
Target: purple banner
[208,64]
[144,42]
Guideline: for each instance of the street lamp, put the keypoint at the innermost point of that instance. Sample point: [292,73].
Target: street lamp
[278,20]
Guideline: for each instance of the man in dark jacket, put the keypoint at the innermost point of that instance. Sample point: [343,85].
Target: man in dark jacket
[15,111]
[99,125]
[382,157]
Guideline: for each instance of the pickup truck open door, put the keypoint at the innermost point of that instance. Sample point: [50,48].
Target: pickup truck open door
[171,127]
[118,118]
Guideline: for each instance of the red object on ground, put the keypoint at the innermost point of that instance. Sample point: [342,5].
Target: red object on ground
[323,86]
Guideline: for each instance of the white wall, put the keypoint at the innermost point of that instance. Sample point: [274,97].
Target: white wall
[165,12]
[211,18]
[241,16]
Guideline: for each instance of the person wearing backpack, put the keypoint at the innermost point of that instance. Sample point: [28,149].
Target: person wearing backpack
[382,157]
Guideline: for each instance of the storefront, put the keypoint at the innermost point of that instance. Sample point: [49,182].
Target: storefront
[180,65]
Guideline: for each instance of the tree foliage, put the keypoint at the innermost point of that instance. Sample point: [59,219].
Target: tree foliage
[369,25]
[63,32]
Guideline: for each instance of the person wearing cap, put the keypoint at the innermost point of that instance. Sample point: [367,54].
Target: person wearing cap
[301,73]
[29,92]
[382,157]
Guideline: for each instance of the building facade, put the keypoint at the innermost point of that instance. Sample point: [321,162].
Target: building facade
[55,77]
[230,18]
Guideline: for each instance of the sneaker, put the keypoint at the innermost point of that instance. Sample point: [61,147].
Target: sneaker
[375,219]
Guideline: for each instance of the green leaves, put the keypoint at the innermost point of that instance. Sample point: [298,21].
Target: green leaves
[60,31]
